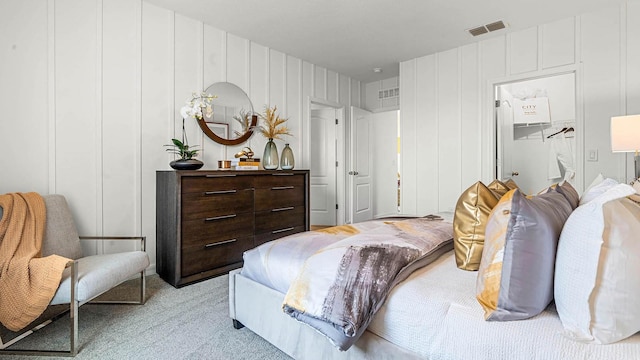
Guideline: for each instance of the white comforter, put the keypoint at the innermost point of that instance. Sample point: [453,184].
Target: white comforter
[434,313]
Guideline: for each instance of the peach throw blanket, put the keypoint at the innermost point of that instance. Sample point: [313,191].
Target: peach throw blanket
[28,282]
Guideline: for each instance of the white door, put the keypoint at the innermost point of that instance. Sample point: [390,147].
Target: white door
[323,167]
[361,166]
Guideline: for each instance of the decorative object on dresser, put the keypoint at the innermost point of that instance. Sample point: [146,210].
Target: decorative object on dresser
[205,220]
[270,157]
[198,105]
[274,127]
[224,164]
[287,162]
[246,164]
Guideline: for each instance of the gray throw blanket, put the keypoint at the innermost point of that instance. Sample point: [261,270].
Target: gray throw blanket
[342,286]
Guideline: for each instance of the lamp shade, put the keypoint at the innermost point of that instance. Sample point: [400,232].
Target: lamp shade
[625,133]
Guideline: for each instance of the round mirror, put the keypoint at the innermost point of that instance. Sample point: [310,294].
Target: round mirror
[232,120]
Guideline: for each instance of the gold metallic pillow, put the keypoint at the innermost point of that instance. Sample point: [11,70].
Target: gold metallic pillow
[499,188]
[511,184]
[469,223]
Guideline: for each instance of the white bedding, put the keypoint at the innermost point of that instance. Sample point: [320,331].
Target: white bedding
[342,275]
[434,313]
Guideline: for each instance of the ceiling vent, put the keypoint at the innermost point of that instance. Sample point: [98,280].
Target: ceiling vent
[478,31]
[495,26]
[487,28]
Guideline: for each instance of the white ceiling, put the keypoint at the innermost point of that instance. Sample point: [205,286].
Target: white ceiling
[354,36]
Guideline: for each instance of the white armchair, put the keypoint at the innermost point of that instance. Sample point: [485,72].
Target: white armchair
[83,280]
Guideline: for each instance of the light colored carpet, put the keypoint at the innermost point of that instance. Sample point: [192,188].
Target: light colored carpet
[187,323]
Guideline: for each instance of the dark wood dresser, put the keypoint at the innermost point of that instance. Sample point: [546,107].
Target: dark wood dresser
[206,220]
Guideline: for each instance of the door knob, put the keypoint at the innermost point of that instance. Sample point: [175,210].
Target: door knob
[351,173]
[515,173]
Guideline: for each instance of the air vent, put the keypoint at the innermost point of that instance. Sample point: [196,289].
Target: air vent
[495,26]
[388,93]
[478,31]
[487,28]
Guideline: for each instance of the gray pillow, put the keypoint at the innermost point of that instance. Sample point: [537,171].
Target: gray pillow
[515,279]
[569,193]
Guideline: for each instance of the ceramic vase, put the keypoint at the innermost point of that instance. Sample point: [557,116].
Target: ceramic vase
[186,164]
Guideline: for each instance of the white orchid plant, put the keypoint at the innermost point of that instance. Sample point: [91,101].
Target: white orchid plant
[198,106]
[198,103]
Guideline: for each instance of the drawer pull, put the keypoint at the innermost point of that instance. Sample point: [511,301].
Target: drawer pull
[282,174]
[282,187]
[220,192]
[282,230]
[220,217]
[220,243]
[220,176]
[283,209]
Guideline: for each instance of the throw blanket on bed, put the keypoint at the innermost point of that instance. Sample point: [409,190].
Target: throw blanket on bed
[342,285]
[27,281]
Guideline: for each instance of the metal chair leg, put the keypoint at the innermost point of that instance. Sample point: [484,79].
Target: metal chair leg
[73,346]
[73,327]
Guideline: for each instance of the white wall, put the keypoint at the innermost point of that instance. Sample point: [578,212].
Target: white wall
[91,91]
[385,163]
[446,104]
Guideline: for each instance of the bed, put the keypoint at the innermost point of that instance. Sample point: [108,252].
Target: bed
[432,314]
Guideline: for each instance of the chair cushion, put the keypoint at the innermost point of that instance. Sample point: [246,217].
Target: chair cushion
[99,273]
[60,234]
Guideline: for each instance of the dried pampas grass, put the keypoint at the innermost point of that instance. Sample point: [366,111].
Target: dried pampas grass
[273,127]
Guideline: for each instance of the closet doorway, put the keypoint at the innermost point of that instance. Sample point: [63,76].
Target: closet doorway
[536,131]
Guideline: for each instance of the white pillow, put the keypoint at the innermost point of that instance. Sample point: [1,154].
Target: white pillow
[599,178]
[596,285]
[597,188]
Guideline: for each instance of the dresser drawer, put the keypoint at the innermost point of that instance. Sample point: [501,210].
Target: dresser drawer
[278,179]
[272,235]
[215,183]
[203,205]
[269,221]
[199,258]
[222,227]
[279,197]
